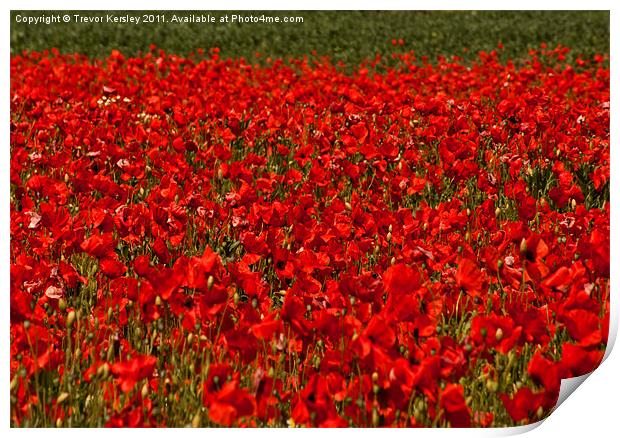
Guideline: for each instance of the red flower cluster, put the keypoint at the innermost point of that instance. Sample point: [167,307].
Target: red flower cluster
[206,241]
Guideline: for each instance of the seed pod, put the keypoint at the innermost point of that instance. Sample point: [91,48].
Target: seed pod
[498,211]
[145,390]
[388,237]
[390,228]
[236,298]
[158,301]
[348,206]
[523,246]
[392,261]
[573,203]
[375,377]
[210,282]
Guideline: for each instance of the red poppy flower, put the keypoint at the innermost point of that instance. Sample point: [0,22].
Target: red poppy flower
[129,372]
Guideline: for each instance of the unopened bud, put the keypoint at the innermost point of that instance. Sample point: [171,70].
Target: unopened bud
[62,397]
[492,385]
[196,420]
[103,370]
[375,417]
[499,334]
[210,282]
[523,246]
[70,319]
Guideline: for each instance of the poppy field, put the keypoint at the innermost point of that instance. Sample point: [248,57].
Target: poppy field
[207,241]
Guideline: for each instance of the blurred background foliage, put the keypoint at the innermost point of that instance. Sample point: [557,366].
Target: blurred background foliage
[347,36]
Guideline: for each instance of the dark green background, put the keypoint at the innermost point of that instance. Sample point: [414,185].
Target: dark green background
[347,36]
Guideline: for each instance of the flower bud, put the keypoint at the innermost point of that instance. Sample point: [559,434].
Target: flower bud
[196,420]
[210,282]
[523,246]
[499,334]
[375,417]
[492,385]
[70,319]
